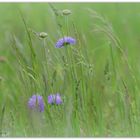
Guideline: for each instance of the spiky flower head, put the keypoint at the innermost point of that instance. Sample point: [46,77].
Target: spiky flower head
[65,41]
[55,99]
[36,102]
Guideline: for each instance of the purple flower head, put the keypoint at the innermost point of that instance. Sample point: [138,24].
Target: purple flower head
[65,41]
[51,99]
[36,101]
[54,99]
[58,99]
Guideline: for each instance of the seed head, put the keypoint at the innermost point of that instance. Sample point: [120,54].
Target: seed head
[43,35]
[3,59]
[66,12]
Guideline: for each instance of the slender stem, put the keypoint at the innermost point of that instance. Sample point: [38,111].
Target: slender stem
[67,26]
[113,62]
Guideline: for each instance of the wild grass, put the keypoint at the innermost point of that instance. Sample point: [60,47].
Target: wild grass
[98,78]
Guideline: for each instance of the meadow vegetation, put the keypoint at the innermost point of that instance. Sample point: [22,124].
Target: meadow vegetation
[97,77]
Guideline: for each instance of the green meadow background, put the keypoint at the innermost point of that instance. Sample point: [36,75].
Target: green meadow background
[98,78]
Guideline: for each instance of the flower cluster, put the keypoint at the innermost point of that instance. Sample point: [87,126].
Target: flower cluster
[54,99]
[37,102]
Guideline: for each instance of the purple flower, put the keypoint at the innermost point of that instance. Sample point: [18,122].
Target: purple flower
[36,101]
[58,99]
[51,99]
[65,41]
[54,99]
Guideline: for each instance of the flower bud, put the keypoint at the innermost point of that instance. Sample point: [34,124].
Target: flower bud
[43,35]
[3,59]
[66,12]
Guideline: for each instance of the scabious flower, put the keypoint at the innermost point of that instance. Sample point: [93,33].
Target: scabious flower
[65,41]
[54,99]
[58,99]
[51,99]
[36,101]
